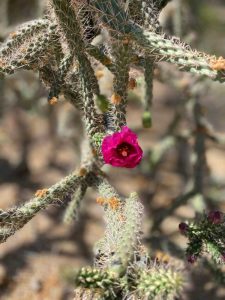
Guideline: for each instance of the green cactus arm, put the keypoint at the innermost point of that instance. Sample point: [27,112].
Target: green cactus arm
[88,83]
[164,49]
[32,52]
[62,71]
[22,33]
[206,236]
[132,212]
[67,18]
[112,215]
[70,88]
[15,218]
[96,284]
[121,65]
[215,249]
[71,212]
[160,283]
[105,189]
[159,47]
[147,102]
[149,15]
[123,224]
[100,56]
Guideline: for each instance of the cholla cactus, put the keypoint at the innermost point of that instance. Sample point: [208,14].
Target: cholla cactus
[60,48]
[205,234]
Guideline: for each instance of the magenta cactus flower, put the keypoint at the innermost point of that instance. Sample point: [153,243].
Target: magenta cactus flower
[121,149]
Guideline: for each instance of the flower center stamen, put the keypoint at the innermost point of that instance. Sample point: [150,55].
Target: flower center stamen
[123,150]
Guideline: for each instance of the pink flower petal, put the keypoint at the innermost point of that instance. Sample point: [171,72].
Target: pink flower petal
[112,147]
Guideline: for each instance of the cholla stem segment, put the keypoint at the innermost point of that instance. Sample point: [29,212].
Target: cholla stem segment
[149,73]
[15,218]
[157,45]
[148,16]
[60,80]
[132,214]
[88,82]
[26,31]
[121,67]
[206,235]
[72,210]
[160,283]
[123,227]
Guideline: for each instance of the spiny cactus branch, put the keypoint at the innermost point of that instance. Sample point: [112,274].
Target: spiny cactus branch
[15,218]
[157,45]
[72,210]
[205,235]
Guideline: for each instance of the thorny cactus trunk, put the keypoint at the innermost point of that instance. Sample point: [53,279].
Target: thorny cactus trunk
[61,47]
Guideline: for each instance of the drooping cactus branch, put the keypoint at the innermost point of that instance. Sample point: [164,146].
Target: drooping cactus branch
[157,45]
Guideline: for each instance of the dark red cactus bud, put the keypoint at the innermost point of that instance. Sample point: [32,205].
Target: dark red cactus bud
[183,227]
[223,257]
[191,259]
[215,217]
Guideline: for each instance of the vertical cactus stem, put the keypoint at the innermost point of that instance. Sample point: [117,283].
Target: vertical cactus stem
[71,212]
[88,83]
[113,233]
[70,90]
[148,73]
[145,13]
[105,189]
[120,51]
[130,238]
[200,137]
[97,142]
[150,15]
[100,56]
[63,69]
[121,54]
[177,18]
